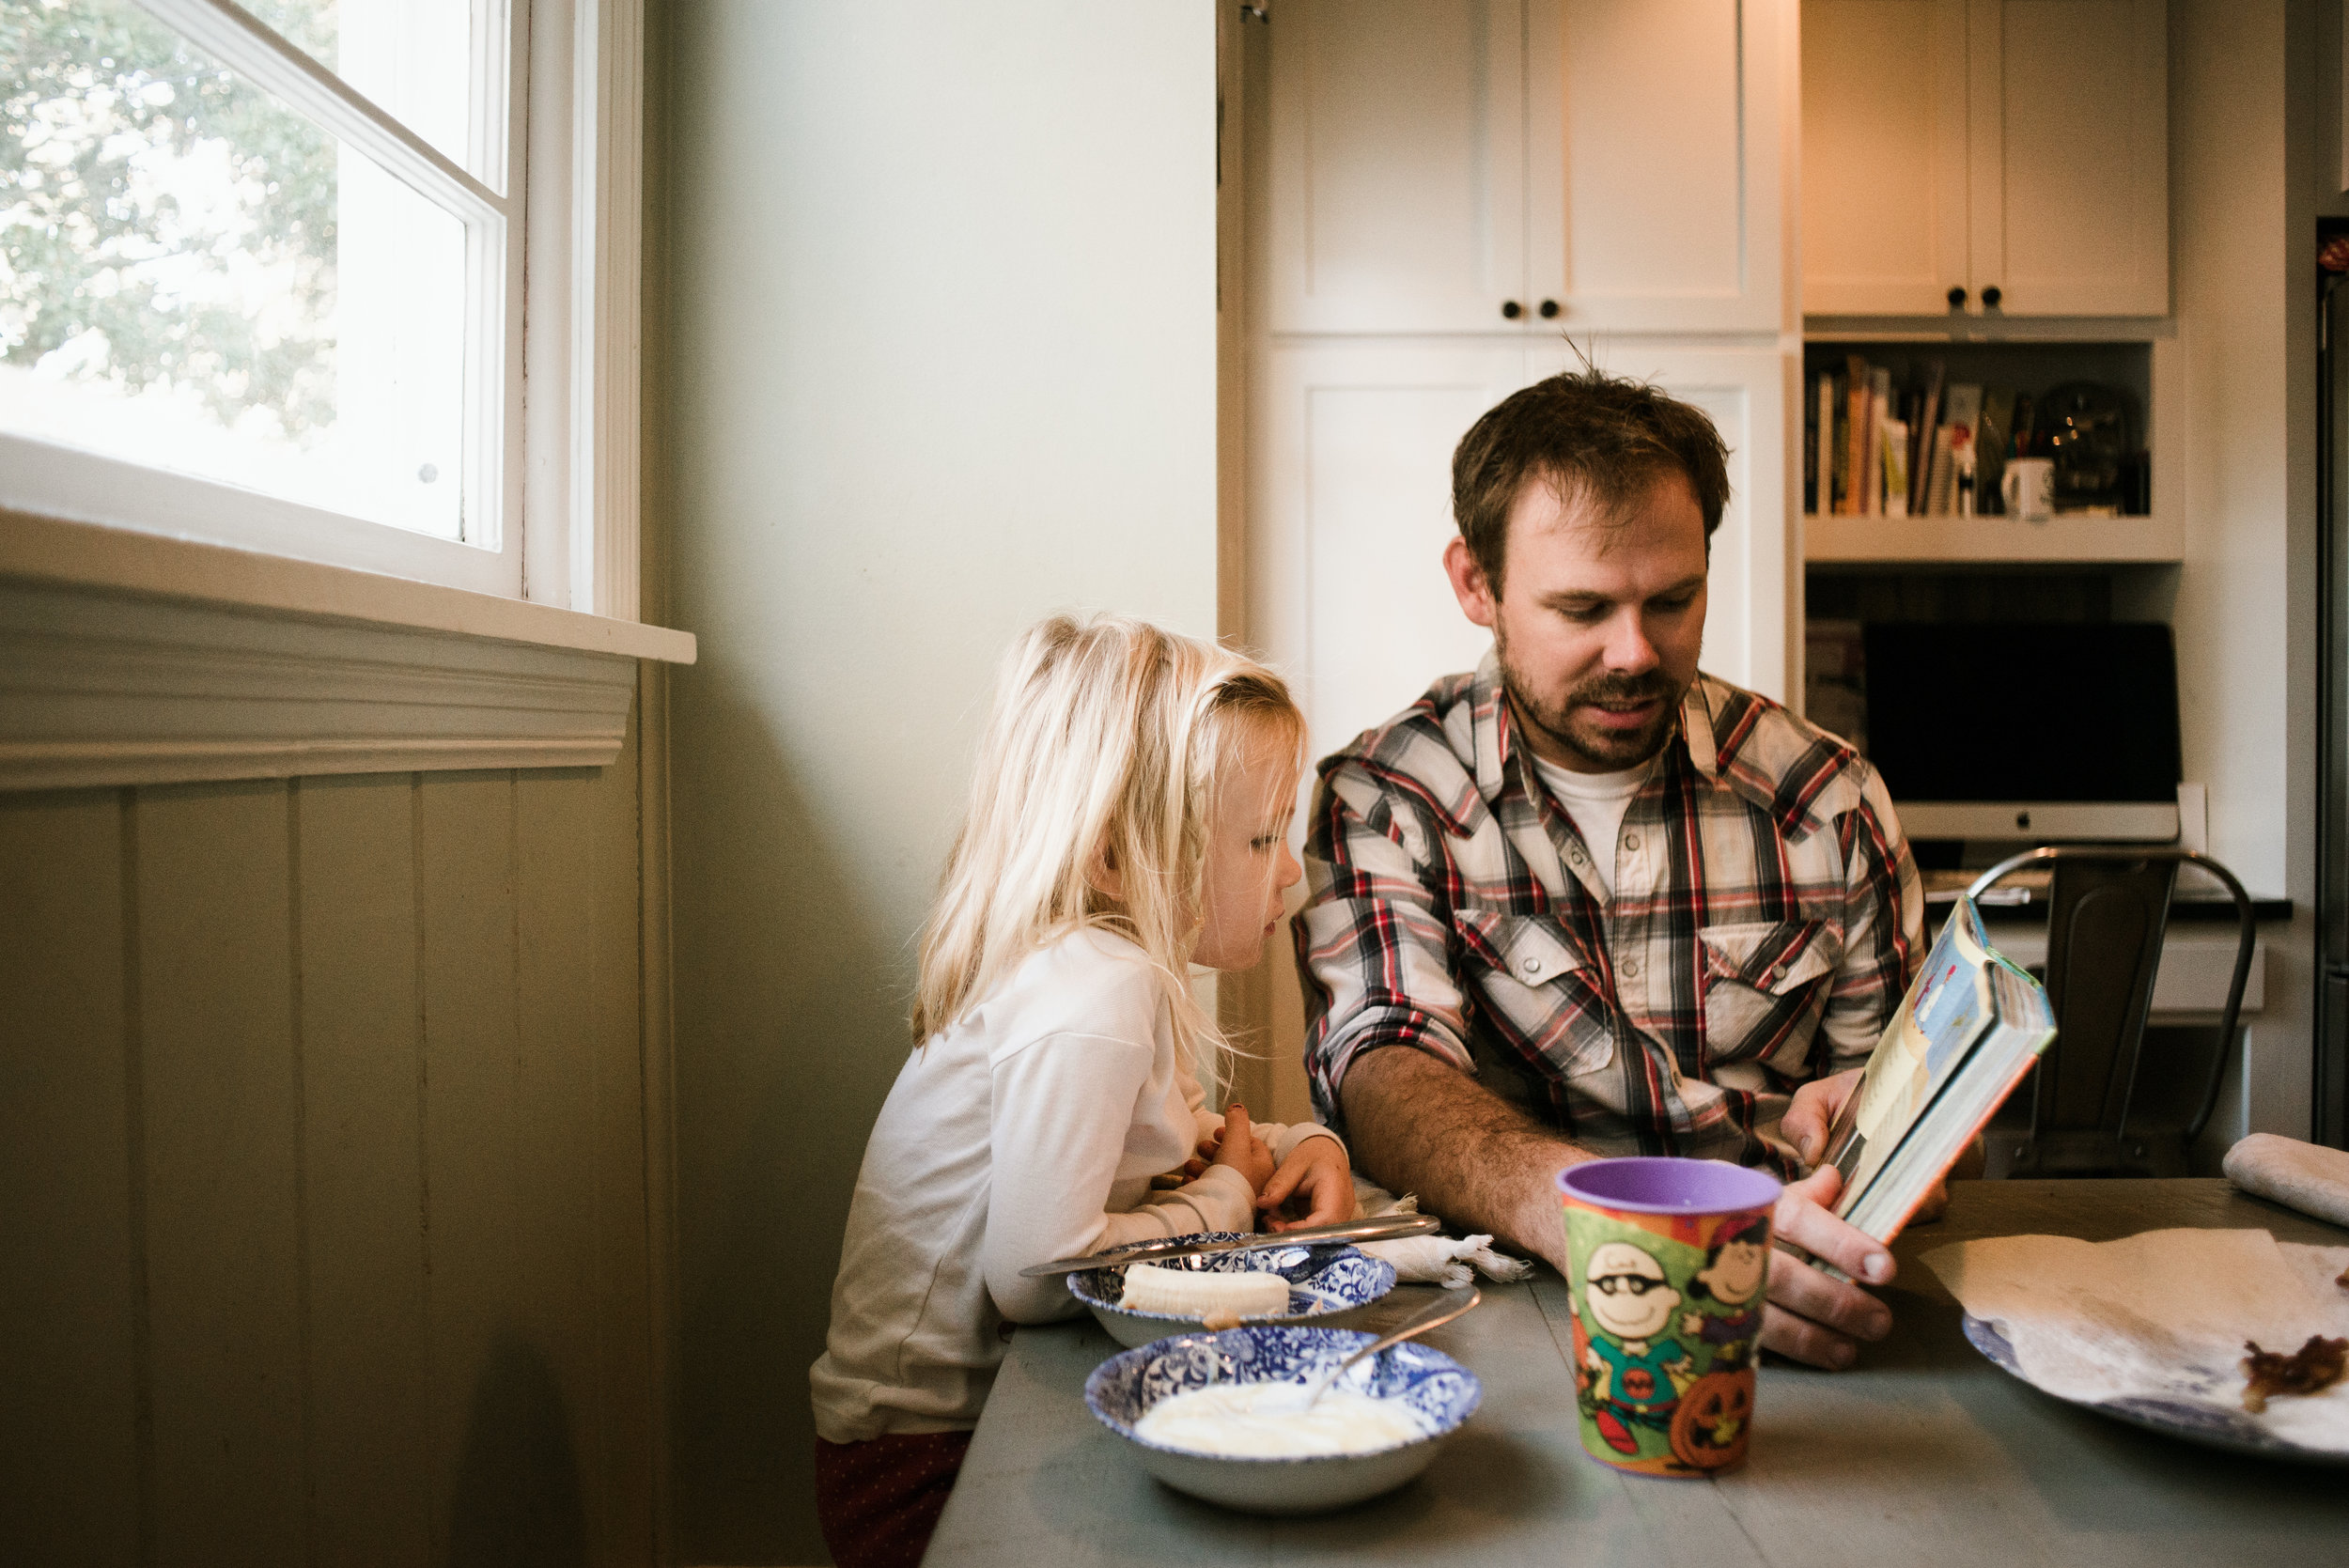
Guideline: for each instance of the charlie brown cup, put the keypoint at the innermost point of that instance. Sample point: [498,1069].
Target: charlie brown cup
[1667,1261]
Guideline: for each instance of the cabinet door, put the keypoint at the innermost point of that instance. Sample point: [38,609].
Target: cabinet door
[1654,163]
[1396,166]
[1349,512]
[1884,150]
[2071,155]
[1749,393]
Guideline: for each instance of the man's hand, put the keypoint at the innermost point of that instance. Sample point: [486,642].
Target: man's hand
[1809,1316]
[1317,1174]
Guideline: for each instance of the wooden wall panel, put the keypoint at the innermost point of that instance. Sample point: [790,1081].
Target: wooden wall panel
[625,1267]
[361,1042]
[223,1134]
[68,1340]
[556,1171]
[323,1172]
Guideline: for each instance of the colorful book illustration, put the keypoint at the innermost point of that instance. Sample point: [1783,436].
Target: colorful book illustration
[1972,1026]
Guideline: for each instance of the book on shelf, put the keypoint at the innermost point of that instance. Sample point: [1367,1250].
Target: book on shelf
[1856,435]
[1895,468]
[1972,1025]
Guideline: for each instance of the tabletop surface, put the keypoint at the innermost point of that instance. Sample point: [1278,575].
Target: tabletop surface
[1924,1453]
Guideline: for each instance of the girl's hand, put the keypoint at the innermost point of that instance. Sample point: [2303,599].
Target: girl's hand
[1196,1166]
[1317,1176]
[1243,1151]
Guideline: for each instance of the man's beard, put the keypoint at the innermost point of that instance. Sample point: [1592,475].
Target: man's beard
[1604,751]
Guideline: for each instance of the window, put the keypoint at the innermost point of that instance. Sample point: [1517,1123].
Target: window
[262,281]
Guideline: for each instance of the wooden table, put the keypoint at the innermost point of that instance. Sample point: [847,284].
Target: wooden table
[1925,1453]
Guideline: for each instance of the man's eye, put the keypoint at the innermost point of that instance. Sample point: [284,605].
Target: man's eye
[1585,613]
[1674,604]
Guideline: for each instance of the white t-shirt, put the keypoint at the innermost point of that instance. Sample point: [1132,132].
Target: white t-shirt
[1028,1131]
[1597,802]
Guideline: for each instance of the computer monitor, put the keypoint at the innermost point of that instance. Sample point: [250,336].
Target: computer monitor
[2026,730]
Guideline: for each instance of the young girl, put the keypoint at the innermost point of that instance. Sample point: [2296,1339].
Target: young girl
[1128,819]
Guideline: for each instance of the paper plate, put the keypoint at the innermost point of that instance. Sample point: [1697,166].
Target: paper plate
[2235,1431]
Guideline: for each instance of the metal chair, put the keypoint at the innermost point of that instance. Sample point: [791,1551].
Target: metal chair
[2106,913]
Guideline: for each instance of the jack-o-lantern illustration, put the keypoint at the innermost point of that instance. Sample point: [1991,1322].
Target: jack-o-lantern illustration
[1709,1428]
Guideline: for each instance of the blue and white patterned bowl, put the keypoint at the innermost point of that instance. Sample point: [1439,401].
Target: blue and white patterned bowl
[1442,1392]
[1324,1280]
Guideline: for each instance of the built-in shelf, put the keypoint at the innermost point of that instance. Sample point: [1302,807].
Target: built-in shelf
[2086,542]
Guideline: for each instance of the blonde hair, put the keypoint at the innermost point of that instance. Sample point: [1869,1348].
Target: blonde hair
[1105,747]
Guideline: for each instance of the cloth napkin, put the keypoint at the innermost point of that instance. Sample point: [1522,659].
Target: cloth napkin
[2300,1175]
[1432,1259]
[2162,1315]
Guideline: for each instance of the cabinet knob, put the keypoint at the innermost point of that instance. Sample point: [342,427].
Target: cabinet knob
[1512,309]
[1549,310]
[1958,299]
[1990,297]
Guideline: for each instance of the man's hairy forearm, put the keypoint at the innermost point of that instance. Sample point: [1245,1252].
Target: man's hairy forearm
[1417,1125]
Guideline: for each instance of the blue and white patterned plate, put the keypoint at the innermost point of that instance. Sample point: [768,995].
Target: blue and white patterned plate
[2210,1425]
[1436,1388]
[1323,1280]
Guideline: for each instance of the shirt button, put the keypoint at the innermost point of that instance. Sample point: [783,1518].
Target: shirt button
[1532,966]
[1631,841]
[1630,969]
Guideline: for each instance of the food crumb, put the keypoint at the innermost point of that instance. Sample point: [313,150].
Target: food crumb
[2314,1367]
[1223,1317]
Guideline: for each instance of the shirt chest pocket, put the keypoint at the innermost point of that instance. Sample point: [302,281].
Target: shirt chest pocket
[1532,989]
[1765,985]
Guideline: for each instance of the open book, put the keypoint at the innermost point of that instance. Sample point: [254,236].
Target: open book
[1972,1024]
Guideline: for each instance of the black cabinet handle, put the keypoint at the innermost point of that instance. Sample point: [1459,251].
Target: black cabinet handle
[1990,297]
[1512,309]
[1958,299]
[1549,310]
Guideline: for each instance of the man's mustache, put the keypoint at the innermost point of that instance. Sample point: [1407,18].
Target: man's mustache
[1623,690]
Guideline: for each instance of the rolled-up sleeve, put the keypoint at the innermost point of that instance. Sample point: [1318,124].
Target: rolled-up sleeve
[1374,940]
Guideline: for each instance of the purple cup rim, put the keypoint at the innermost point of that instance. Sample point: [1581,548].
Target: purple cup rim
[1718,1186]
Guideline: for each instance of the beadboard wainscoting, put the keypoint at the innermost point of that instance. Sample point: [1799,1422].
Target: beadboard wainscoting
[333,1160]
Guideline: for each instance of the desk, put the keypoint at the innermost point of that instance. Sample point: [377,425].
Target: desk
[1924,1455]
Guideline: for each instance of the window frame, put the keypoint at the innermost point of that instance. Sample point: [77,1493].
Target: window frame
[177,630]
[553,239]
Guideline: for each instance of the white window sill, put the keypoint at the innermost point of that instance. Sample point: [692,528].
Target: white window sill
[130,658]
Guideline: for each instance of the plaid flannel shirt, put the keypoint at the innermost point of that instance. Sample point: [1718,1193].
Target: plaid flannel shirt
[1765,919]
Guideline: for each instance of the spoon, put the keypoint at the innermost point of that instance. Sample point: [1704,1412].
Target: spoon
[1284,1399]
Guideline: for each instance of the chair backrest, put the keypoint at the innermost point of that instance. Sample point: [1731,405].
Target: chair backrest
[2109,910]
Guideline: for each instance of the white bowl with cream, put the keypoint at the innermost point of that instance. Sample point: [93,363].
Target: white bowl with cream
[1412,1398]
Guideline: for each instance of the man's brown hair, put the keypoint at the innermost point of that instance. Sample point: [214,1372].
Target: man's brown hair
[1593,436]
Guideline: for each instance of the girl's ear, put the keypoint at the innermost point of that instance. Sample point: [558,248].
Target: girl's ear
[1103,876]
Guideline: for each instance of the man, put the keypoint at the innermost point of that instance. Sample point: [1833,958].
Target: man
[1611,906]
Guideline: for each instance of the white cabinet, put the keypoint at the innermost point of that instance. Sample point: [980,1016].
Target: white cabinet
[1397,164]
[2014,151]
[1351,509]
[1655,163]
[1526,166]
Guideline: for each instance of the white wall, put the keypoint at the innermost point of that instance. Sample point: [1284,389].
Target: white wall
[2244,631]
[942,335]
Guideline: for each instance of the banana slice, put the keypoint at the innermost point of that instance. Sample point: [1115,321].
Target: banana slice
[1184,1294]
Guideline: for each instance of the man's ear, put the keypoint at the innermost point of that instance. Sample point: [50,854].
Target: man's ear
[1469,584]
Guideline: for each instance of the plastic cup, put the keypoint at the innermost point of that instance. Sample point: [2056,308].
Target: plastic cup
[1668,1263]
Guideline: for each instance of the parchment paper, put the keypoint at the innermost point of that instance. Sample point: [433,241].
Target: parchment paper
[2160,1315]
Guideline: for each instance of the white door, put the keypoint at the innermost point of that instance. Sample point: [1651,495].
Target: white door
[1397,174]
[1884,156]
[2071,155]
[1654,163]
[1747,392]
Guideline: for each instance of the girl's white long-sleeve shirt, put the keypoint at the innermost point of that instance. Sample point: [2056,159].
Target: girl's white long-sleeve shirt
[1029,1130]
